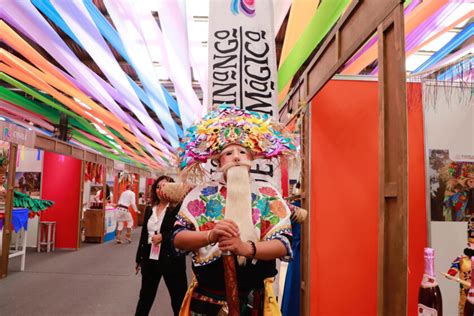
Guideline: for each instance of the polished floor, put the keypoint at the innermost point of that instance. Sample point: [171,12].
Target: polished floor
[99,279]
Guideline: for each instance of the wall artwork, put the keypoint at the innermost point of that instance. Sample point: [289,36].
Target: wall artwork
[451,186]
[28,183]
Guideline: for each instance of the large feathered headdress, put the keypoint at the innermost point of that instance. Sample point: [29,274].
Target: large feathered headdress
[228,125]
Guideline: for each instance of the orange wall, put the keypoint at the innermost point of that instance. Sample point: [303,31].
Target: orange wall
[417,225]
[344,200]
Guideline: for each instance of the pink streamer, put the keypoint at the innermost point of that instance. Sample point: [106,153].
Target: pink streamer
[84,28]
[20,113]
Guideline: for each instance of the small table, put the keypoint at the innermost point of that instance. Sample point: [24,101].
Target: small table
[20,226]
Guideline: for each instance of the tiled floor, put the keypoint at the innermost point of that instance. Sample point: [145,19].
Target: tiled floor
[99,279]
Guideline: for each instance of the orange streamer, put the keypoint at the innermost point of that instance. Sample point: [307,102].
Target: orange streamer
[52,76]
[301,13]
[444,30]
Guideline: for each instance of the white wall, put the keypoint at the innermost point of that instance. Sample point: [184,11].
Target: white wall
[448,115]
[142,184]
[29,163]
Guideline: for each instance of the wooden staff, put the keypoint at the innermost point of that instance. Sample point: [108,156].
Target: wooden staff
[231,288]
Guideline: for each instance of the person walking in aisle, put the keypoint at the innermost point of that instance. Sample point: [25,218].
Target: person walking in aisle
[127,199]
[155,254]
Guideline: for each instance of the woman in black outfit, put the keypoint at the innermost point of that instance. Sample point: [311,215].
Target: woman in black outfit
[157,229]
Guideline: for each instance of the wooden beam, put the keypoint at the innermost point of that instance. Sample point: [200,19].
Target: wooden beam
[7,221]
[63,148]
[81,204]
[393,167]
[354,28]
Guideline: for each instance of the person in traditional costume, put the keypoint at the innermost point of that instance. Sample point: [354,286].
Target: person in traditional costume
[462,266]
[123,215]
[234,215]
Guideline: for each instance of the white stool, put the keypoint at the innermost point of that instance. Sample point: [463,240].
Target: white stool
[46,236]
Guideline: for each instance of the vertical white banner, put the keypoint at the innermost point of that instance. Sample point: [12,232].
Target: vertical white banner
[242,64]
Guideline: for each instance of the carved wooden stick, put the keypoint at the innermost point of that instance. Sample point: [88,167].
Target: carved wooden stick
[231,289]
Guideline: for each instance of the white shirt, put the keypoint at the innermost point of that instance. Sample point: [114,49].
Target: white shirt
[128,198]
[154,222]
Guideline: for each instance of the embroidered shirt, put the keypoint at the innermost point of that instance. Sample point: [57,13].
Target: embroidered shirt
[204,206]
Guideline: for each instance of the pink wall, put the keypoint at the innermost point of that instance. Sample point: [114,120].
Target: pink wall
[62,184]
[344,200]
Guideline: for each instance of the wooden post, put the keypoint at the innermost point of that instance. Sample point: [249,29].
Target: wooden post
[393,167]
[7,221]
[104,200]
[104,187]
[80,225]
[305,299]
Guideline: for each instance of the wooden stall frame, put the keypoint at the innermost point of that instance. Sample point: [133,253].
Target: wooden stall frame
[81,203]
[7,221]
[360,20]
[393,168]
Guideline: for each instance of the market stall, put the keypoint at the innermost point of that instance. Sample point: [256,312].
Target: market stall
[98,219]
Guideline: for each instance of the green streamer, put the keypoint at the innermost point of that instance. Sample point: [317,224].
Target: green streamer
[32,106]
[323,20]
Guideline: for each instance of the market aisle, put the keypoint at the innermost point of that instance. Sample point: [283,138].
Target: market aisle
[99,279]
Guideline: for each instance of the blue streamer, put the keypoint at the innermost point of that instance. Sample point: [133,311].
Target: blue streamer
[38,155]
[457,70]
[113,38]
[47,8]
[449,47]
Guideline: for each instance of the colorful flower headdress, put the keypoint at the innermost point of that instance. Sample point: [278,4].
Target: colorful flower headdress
[228,125]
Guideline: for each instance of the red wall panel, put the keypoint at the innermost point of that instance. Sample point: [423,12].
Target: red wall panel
[62,184]
[417,225]
[344,200]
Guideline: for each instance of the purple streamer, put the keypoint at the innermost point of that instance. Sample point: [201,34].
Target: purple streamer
[25,17]
[374,39]
[430,25]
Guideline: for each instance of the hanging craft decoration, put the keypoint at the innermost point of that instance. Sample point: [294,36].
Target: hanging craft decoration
[22,200]
[126,177]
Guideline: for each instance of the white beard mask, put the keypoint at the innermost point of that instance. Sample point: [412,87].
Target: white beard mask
[239,202]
